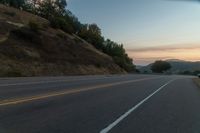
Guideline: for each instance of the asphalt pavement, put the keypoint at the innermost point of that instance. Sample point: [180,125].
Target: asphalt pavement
[100,104]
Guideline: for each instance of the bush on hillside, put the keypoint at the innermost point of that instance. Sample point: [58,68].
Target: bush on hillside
[61,23]
[11,73]
[27,34]
[160,66]
[34,26]
[61,18]
[12,14]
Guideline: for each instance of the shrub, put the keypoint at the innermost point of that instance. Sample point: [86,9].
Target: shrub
[61,23]
[12,14]
[77,40]
[98,65]
[26,34]
[160,66]
[11,73]
[61,35]
[34,26]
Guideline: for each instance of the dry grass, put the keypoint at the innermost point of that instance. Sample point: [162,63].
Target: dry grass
[17,16]
[3,39]
[24,52]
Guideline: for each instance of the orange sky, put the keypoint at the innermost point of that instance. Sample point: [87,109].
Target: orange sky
[143,56]
[147,28]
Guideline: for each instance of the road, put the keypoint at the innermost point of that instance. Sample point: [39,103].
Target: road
[100,104]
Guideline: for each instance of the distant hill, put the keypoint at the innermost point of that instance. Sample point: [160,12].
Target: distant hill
[24,51]
[178,66]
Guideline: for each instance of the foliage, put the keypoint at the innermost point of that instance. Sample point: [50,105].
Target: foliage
[119,55]
[61,18]
[27,34]
[61,23]
[34,26]
[187,72]
[14,3]
[196,72]
[56,13]
[12,72]
[160,66]
[12,14]
[92,34]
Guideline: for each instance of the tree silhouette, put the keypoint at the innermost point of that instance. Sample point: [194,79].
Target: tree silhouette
[160,66]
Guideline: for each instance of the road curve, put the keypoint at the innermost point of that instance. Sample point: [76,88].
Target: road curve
[100,104]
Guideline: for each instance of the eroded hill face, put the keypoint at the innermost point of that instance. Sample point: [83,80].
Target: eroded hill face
[38,50]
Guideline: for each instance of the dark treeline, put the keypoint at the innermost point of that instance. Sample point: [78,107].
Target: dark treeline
[187,72]
[160,66]
[56,12]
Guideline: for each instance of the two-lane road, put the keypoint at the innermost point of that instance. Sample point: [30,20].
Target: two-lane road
[94,104]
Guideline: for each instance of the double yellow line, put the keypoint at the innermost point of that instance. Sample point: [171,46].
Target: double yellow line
[66,92]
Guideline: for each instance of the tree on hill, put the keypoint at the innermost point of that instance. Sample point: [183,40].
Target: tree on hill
[14,3]
[50,9]
[92,34]
[61,5]
[160,66]
[60,18]
[119,55]
[55,11]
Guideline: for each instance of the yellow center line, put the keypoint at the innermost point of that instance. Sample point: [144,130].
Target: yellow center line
[66,92]
[44,82]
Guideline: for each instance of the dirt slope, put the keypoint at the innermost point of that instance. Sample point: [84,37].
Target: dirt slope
[25,52]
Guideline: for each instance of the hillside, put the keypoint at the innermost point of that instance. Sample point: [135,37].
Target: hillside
[178,66]
[30,47]
[181,66]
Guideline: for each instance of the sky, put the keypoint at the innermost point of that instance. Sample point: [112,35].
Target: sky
[149,29]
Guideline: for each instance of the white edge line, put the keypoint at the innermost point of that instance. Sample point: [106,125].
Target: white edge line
[68,92]
[107,129]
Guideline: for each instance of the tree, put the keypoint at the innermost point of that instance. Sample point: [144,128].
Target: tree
[61,5]
[55,11]
[46,9]
[52,8]
[73,20]
[160,66]
[14,3]
[4,1]
[92,34]
[196,72]
[118,53]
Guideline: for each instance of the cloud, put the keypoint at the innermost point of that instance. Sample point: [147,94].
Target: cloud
[155,58]
[148,55]
[165,48]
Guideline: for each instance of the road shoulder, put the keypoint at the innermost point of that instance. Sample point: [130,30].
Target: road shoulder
[197,81]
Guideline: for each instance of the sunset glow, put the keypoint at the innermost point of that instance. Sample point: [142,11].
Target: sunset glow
[149,29]
[144,56]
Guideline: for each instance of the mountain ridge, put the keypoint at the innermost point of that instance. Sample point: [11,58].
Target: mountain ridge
[178,66]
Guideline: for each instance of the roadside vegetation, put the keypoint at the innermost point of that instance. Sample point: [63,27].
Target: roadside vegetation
[160,66]
[60,18]
[196,72]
